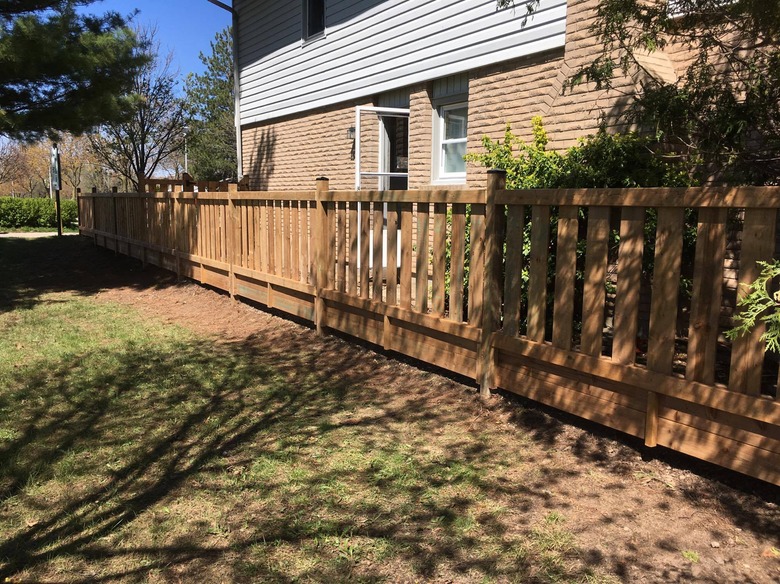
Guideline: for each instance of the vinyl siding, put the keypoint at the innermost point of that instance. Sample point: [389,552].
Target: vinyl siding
[373,46]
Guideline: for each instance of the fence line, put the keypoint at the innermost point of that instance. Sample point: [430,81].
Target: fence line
[571,298]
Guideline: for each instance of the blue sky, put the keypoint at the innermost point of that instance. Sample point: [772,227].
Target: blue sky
[185,27]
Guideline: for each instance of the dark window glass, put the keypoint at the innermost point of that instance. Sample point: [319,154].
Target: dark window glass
[315,17]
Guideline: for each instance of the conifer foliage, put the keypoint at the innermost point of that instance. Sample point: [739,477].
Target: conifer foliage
[210,99]
[62,70]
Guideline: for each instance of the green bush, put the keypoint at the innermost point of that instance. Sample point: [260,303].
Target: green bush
[35,212]
[599,161]
[70,213]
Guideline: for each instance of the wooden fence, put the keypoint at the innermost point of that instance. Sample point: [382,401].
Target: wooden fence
[571,298]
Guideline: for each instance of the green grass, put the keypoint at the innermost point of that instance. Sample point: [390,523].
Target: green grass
[131,449]
[65,229]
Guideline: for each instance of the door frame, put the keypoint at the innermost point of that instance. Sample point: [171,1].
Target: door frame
[384,112]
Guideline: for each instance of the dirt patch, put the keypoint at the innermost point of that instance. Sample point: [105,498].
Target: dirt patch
[639,516]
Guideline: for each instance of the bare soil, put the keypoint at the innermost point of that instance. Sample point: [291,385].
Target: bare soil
[642,516]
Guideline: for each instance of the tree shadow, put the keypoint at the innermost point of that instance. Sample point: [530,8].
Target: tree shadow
[265,425]
[32,268]
[145,426]
[261,159]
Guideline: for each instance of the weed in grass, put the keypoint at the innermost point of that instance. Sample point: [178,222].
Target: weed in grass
[554,517]
[8,435]
[553,537]
[691,556]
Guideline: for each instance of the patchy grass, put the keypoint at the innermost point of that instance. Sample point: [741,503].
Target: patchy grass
[134,448]
[130,447]
[65,229]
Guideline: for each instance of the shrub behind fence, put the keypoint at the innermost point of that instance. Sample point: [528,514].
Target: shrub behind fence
[35,212]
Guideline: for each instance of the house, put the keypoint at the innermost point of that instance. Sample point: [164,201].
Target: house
[392,93]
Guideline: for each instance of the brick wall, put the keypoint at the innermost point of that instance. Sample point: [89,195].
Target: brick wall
[516,91]
[420,136]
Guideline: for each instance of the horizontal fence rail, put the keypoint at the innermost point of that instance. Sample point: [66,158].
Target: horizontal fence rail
[610,304]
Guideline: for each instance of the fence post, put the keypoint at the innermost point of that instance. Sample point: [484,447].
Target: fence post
[491,282]
[234,238]
[174,223]
[89,218]
[321,252]
[114,191]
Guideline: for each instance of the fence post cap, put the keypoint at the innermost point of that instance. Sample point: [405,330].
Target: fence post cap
[497,171]
[322,178]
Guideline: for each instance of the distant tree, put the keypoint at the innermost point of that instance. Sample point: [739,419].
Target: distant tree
[76,160]
[136,147]
[210,99]
[62,71]
[36,158]
[724,110]
[11,164]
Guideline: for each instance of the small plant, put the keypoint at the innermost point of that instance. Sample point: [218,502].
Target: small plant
[554,517]
[691,556]
[759,305]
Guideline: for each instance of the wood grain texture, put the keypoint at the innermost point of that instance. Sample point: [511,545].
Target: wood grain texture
[377,286]
[406,255]
[439,268]
[513,280]
[537,273]
[421,258]
[352,275]
[565,272]
[628,284]
[457,261]
[706,296]
[392,254]
[747,352]
[594,288]
[476,264]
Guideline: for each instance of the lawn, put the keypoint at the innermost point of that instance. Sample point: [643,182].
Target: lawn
[138,444]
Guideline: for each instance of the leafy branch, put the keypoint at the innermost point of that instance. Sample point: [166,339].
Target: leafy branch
[759,305]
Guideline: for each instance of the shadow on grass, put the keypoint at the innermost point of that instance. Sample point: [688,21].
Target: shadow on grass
[317,470]
[109,437]
[31,268]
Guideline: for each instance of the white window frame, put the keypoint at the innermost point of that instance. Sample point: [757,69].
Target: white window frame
[305,22]
[439,175]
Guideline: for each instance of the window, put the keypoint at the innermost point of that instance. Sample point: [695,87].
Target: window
[451,143]
[313,18]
